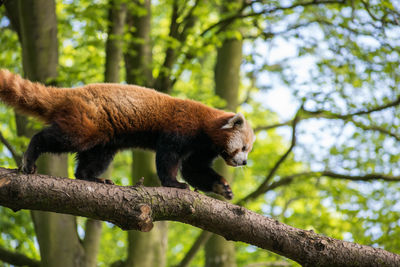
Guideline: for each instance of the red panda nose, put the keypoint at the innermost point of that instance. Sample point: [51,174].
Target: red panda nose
[244,162]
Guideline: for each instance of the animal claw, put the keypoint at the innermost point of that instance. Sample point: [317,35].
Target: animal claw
[27,170]
[222,188]
[176,184]
[103,181]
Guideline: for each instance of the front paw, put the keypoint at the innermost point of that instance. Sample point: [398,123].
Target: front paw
[175,184]
[222,188]
[103,181]
[27,168]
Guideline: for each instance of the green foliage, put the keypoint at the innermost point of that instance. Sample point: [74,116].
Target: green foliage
[17,232]
[178,243]
[82,35]
[113,245]
[336,59]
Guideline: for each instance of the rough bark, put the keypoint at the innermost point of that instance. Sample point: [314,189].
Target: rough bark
[137,208]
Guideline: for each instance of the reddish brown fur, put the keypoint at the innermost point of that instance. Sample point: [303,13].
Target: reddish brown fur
[95,113]
[97,120]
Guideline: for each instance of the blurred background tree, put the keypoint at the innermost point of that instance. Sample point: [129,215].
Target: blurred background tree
[319,81]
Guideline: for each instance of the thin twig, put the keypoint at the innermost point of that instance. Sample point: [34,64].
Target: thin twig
[272,126]
[264,185]
[17,259]
[327,173]
[225,22]
[15,155]
[377,129]
[327,114]
[365,177]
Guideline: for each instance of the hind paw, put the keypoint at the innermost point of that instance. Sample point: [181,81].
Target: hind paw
[222,188]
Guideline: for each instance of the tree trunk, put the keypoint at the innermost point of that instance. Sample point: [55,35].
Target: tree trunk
[227,72]
[138,57]
[219,252]
[57,233]
[116,20]
[36,23]
[145,249]
[91,242]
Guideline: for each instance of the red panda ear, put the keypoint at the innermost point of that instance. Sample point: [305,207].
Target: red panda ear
[234,122]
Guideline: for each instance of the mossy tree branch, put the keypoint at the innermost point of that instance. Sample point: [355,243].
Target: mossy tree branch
[137,208]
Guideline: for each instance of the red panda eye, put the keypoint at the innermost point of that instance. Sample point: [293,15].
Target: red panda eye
[244,148]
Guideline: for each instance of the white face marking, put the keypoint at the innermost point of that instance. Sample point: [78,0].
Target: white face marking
[234,143]
[239,145]
[234,149]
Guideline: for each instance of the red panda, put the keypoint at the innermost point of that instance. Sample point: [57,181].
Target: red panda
[97,120]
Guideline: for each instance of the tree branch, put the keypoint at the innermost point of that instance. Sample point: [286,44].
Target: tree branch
[365,177]
[17,259]
[383,19]
[17,157]
[285,180]
[307,114]
[377,129]
[179,32]
[239,15]
[330,115]
[272,126]
[138,207]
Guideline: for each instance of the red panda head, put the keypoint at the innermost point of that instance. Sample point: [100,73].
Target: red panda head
[234,137]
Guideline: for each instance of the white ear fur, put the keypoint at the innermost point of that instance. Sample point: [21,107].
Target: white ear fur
[235,121]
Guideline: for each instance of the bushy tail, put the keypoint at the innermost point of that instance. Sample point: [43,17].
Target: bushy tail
[30,98]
